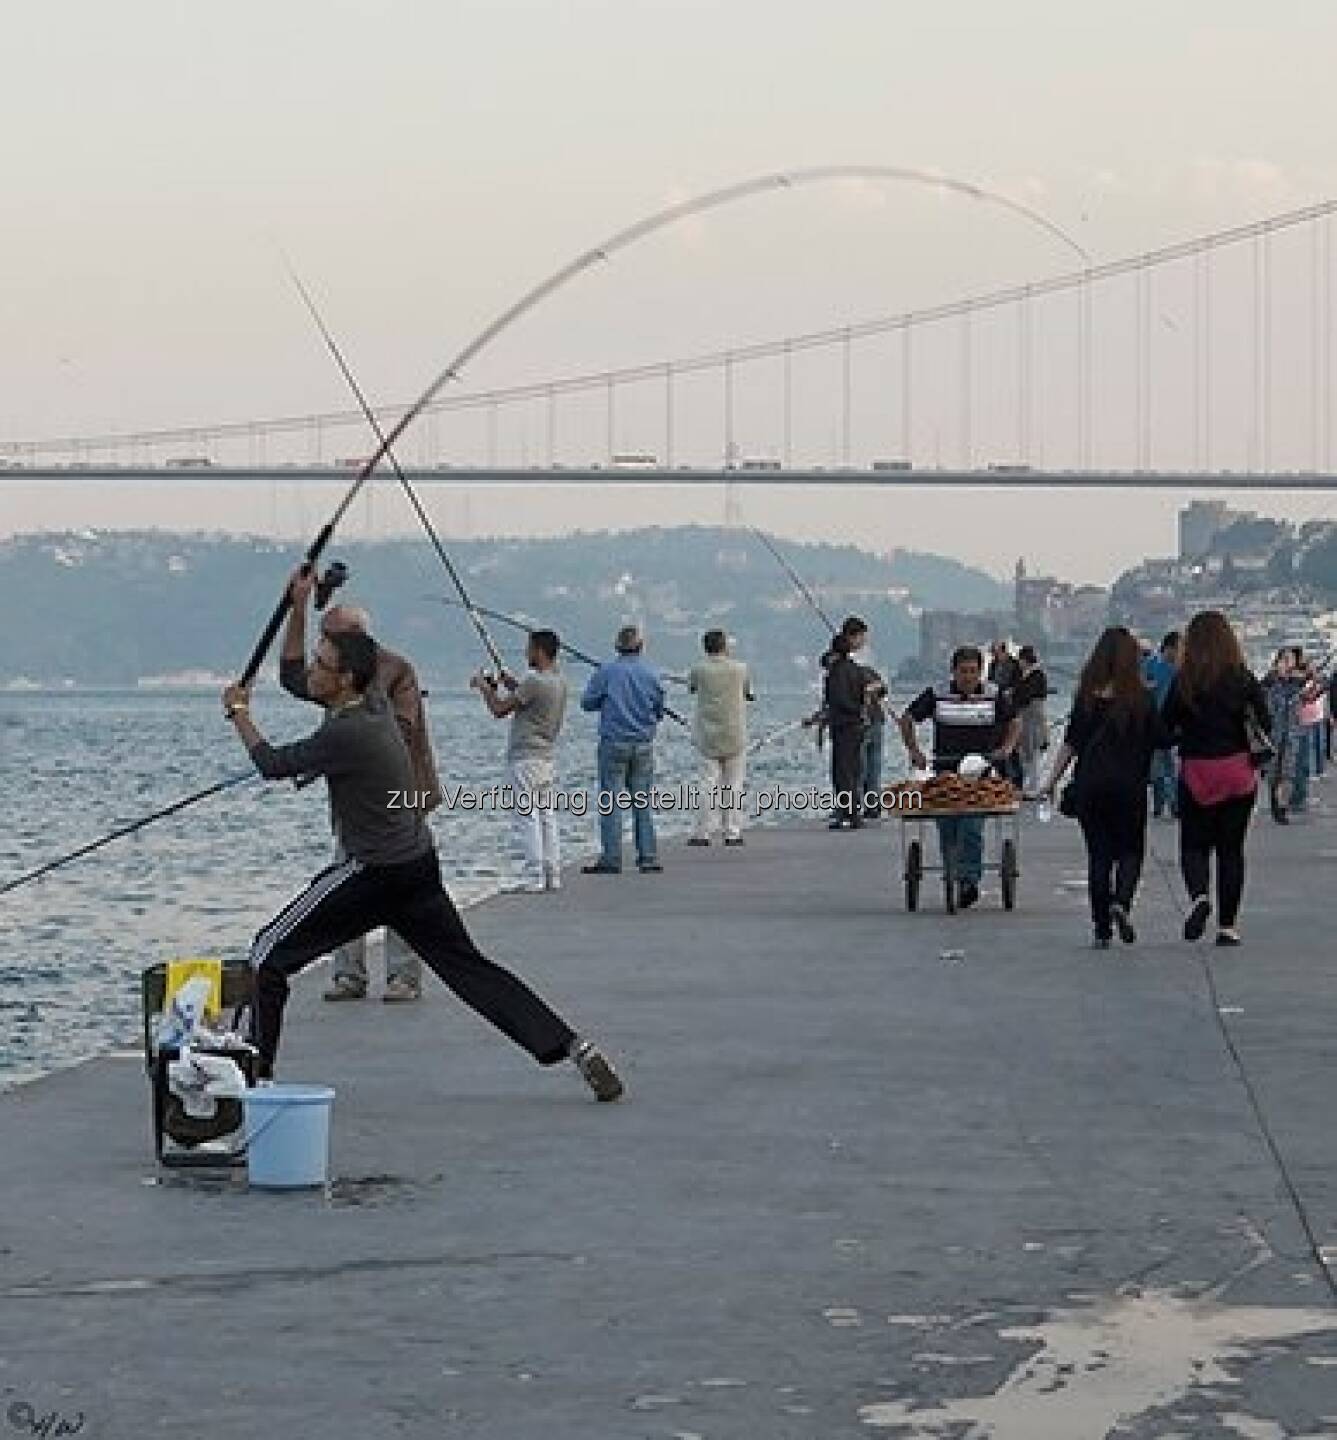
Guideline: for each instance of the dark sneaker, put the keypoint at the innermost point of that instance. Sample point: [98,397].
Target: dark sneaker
[970,894]
[399,989]
[733,839]
[1197,918]
[600,868]
[1228,938]
[596,1072]
[346,987]
[649,867]
[699,840]
[1123,924]
[1100,941]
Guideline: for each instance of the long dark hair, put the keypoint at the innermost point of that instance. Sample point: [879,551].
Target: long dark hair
[1211,652]
[1114,665]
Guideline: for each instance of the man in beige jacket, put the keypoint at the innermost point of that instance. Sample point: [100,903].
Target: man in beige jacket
[719,732]
[398,682]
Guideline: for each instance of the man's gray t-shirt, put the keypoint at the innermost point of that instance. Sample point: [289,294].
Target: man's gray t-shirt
[360,751]
[540,705]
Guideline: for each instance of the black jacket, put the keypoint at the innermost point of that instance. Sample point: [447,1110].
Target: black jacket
[1213,726]
[844,692]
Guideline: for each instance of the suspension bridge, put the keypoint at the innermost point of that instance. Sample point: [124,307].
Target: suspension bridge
[1206,363]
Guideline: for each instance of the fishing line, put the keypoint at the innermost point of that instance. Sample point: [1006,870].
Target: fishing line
[518,623]
[174,808]
[1255,1102]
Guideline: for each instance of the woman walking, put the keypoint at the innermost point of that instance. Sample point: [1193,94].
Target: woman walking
[1214,701]
[1113,731]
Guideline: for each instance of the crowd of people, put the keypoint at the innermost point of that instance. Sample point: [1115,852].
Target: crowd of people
[1185,730]
[1190,725]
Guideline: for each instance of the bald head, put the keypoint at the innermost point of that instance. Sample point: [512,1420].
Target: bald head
[340,618]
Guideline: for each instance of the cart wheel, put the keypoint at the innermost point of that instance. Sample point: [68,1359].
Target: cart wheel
[1008,871]
[914,873]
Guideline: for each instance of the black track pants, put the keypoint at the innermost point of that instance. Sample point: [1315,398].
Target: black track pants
[349,899]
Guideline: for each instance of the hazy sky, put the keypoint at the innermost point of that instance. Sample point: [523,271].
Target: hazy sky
[424,163]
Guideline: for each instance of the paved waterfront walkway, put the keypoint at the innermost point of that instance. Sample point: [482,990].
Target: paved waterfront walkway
[854,1174]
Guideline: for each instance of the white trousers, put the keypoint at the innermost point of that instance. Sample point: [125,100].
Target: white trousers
[721,796]
[537,829]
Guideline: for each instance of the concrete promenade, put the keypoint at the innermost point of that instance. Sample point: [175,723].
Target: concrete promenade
[861,1184]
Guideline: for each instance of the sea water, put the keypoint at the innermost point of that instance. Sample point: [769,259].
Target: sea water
[78,764]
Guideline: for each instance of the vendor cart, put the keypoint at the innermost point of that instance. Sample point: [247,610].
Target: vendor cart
[1002,851]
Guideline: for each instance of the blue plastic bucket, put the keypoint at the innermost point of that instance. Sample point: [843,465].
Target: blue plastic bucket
[288,1135]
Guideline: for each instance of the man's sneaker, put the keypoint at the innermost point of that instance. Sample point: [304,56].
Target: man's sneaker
[399,988]
[733,840]
[346,987]
[1123,924]
[599,867]
[970,894]
[649,867]
[698,840]
[596,1072]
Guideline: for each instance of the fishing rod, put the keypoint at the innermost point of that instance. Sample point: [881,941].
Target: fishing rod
[796,580]
[346,370]
[516,623]
[602,252]
[174,808]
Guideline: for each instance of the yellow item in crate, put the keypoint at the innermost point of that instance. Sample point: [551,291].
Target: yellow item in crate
[179,971]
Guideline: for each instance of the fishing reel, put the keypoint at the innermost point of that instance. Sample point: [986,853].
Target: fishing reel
[335,575]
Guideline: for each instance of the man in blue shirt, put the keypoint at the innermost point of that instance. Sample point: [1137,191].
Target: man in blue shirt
[1158,671]
[629,696]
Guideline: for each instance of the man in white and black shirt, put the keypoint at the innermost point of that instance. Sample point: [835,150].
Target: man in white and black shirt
[970,717]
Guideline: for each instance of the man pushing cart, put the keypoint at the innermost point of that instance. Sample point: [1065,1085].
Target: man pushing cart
[970,717]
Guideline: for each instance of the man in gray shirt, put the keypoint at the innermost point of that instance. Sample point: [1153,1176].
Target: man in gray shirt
[391,875]
[536,706]
[398,683]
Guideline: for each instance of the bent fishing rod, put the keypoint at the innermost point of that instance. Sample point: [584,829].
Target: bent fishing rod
[123,830]
[602,252]
[474,612]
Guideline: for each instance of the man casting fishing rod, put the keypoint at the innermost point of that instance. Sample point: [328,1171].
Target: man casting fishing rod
[391,875]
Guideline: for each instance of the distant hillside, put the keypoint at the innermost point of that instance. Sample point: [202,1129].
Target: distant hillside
[111,608]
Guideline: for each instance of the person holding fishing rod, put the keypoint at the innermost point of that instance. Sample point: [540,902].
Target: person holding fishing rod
[397,680]
[391,875]
[536,706]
